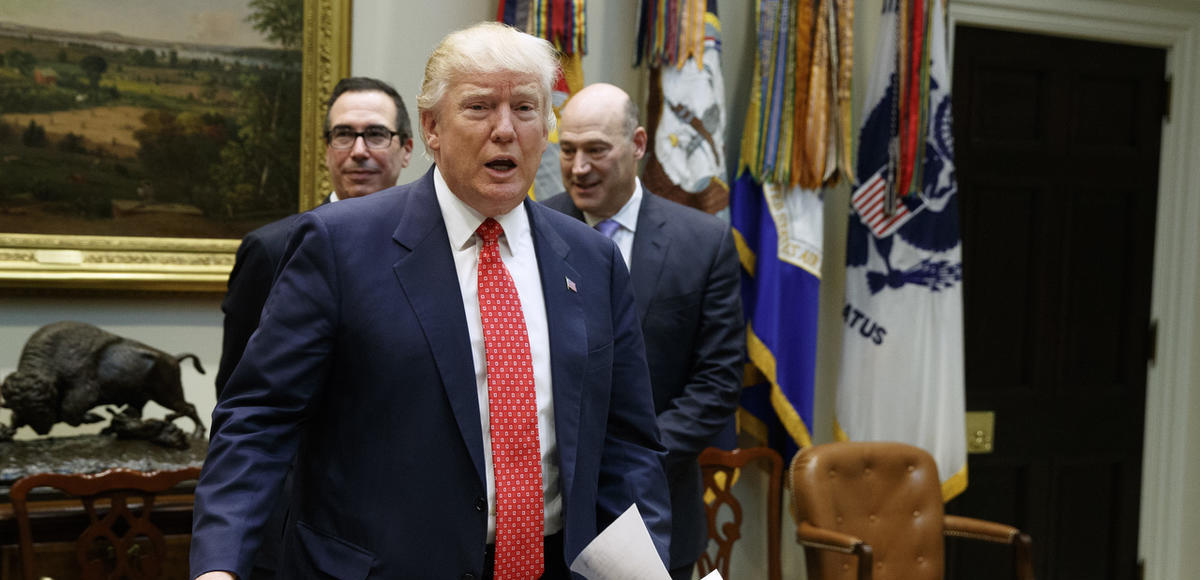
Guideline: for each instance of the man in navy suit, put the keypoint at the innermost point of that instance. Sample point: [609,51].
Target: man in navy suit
[369,367]
[368,140]
[685,277]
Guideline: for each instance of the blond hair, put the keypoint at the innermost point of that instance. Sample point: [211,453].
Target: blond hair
[488,47]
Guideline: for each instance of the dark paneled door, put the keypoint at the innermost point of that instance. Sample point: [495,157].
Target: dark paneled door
[1057,142]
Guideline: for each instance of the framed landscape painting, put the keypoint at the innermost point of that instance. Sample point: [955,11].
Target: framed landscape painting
[141,139]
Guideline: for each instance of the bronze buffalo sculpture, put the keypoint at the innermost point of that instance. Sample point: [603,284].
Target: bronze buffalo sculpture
[67,369]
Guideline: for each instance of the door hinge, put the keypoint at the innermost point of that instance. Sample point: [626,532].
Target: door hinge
[1152,342]
[1166,104]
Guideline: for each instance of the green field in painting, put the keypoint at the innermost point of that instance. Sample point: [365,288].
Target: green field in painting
[95,140]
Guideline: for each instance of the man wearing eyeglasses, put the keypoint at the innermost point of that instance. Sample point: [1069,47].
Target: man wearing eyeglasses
[368,140]
[367,136]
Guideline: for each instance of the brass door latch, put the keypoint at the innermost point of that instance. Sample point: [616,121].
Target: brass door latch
[980,427]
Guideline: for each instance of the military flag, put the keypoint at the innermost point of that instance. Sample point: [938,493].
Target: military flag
[680,40]
[901,373]
[790,152]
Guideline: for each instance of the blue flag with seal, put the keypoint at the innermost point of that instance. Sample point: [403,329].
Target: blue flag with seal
[799,98]
[778,232]
[901,373]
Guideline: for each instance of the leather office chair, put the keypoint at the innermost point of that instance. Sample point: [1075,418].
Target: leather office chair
[120,540]
[866,508]
[718,467]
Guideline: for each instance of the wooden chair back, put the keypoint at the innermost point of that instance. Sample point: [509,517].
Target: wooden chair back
[719,469]
[120,541]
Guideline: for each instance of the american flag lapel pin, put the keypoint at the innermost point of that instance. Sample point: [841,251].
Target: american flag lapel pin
[571,286]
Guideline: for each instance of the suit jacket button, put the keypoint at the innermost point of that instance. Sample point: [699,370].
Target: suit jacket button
[468,576]
[480,504]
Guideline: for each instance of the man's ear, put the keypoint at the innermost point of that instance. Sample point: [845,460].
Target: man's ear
[639,142]
[430,129]
[406,152]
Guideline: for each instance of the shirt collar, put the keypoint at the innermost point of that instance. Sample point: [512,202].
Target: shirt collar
[462,220]
[627,216]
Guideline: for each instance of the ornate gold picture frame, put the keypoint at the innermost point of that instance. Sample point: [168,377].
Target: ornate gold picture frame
[183,263]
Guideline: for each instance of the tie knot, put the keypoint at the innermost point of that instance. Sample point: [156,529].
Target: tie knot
[489,231]
[608,227]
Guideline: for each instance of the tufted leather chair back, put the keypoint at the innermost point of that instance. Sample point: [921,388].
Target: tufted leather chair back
[888,494]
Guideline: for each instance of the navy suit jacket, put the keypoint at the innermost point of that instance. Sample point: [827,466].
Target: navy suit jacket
[258,258]
[361,371]
[687,282]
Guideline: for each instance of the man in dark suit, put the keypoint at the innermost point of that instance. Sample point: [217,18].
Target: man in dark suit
[685,276]
[368,140]
[376,365]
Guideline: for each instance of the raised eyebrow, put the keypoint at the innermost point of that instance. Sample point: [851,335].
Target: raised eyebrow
[586,144]
[527,92]
[476,93]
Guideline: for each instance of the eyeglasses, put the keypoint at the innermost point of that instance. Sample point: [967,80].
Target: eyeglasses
[375,137]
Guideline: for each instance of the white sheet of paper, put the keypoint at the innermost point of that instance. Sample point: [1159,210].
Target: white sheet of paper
[623,551]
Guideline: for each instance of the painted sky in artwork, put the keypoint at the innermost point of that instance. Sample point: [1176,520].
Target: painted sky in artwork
[221,22]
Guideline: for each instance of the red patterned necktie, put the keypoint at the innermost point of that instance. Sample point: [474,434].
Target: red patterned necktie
[512,409]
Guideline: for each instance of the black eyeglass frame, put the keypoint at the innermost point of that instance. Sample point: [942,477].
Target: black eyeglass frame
[391,134]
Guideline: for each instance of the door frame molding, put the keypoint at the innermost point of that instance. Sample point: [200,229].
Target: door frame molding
[1172,380]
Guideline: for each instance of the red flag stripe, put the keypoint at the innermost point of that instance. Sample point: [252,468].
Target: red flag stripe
[873,187]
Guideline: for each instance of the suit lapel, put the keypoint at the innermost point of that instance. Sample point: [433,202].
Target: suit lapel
[568,335]
[650,244]
[425,271]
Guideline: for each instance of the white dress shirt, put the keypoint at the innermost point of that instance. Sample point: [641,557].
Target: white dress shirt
[627,218]
[517,253]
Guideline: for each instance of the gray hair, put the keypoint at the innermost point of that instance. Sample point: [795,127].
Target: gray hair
[631,122]
[483,48]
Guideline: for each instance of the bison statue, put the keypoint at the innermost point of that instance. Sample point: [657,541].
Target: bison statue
[68,369]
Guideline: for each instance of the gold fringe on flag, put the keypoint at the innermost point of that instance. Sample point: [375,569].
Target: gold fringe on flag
[798,125]
[749,154]
[813,141]
[782,170]
[844,41]
[562,22]
[691,42]
[792,138]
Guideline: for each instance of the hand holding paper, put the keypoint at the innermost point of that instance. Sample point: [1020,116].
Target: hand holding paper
[623,551]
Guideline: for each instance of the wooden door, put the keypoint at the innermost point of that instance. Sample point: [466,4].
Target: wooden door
[1057,144]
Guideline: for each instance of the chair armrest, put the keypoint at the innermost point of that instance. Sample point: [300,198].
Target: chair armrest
[963,527]
[814,537]
[811,536]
